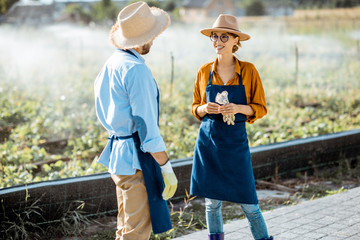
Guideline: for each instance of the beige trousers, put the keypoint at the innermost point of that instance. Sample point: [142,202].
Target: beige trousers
[133,221]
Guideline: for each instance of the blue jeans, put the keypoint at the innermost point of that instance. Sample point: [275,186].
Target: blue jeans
[252,212]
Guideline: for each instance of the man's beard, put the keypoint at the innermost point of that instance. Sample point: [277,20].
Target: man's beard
[145,49]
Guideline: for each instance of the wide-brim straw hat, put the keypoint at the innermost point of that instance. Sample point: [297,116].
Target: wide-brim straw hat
[226,23]
[138,24]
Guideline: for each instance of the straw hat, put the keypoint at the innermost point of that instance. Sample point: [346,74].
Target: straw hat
[138,24]
[227,23]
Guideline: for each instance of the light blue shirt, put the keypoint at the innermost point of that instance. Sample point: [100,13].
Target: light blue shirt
[126,102]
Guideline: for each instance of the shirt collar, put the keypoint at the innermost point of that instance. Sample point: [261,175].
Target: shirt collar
[137,54]
[134,52]
[237,66]
[215,65]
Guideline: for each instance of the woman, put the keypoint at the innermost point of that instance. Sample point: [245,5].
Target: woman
[222,169]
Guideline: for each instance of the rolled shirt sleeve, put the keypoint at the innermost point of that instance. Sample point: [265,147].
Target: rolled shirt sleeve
[143,95]
[256,96]
[196,96]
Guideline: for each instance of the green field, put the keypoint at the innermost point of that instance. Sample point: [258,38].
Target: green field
[48,126]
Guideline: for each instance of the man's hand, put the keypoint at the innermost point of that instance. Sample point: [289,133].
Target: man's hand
[169,180]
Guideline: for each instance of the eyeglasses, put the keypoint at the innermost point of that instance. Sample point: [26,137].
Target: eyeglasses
[223,37]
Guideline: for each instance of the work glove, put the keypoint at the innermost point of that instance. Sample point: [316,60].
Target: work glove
[169,180]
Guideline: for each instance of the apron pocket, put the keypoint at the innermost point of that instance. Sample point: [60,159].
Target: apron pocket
[222,134]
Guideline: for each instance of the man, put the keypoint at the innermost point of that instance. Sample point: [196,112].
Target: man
[127,105]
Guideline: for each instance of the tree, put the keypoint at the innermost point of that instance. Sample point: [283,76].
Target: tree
[151,3]
[77,13]
[255,8]
[169,5]
[5,5]
[345,3]
[104,10]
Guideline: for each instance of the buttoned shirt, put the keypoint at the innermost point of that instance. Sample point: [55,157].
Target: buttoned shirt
[126,102]
[255,96]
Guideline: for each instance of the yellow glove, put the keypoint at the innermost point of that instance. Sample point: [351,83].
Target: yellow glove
[169,180]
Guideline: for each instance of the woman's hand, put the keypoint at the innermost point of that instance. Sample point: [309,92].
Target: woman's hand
[232,109]
[209,108]
[229,109]
[212,108]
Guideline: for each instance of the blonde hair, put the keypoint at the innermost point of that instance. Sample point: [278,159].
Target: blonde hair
[235,47]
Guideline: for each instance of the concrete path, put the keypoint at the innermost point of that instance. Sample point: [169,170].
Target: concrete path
[334,217]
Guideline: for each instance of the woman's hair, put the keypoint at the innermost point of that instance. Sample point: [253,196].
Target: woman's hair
[235,47]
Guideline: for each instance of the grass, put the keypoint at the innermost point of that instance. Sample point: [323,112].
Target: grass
[24,224]
[103,235]
[74,220]
[329,14]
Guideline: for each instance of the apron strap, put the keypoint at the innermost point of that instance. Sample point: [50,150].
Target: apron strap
[211,74]
[240,75]
[113,137]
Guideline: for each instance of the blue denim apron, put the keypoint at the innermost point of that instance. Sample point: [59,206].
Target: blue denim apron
[154,183]
[222,166]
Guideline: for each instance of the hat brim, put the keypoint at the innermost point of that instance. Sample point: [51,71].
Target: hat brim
[162,21]
[243,36]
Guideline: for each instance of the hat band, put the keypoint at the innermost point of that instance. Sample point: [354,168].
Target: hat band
[229,29]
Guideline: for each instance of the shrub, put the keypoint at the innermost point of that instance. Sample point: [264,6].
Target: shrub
[77,13]
[255,8]
[104,10]
[5,5]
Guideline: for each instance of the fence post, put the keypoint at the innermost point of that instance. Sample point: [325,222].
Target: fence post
[296,64]
[172,74]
